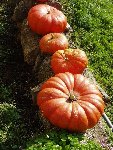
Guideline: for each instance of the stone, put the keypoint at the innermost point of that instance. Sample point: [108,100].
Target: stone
[30,44]
[21,10]
[44,72]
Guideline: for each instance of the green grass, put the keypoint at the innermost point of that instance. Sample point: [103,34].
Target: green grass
[13,133]
[61,140]
[5,95]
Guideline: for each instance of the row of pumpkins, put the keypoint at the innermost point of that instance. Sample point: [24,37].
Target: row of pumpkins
[68,100]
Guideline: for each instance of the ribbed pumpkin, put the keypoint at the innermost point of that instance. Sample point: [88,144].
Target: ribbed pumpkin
[52,42]
[69,60]
[70,102]
[44,19]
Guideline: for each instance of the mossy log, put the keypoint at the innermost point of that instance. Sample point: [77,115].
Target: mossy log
[29,42]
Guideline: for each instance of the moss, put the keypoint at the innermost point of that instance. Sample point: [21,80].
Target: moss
[61,140]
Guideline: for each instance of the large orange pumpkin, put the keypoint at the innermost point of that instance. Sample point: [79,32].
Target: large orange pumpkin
[44,19]
[52,42]
[70,102]
[69,60]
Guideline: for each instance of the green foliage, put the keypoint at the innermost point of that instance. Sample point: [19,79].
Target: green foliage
[8,119]
[13,133]
[109,111]
[110,135]
[6,94]
[8,114]
[61,140]
[92,23]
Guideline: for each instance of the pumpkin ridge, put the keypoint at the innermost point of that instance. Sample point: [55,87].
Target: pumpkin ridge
[65,79]
[84,86]
[76,87]
[63,82]
[89,105]
[90,92]
[56,85]
[74,107]
[68,108]
[55,89]
[97,104]
[99,99]
[71,79]
[46,94]
[47,106]
[54,99]
[90,96]
[91,114]
[82,122]
[60,80]
[60,117]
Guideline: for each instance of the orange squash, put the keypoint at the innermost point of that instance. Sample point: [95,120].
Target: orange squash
[69,60]
[70,102]
[44,19]
[52,42]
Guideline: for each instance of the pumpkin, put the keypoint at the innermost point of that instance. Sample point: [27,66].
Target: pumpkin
[70,102]
[52,42]
[44,19]
[69,60]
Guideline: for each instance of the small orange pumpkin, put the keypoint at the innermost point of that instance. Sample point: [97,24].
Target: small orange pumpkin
[52,42]
[69,60]
[70,102]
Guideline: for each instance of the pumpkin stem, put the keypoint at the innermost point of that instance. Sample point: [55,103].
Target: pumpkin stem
[72,97]
[48,12]
[52,36]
